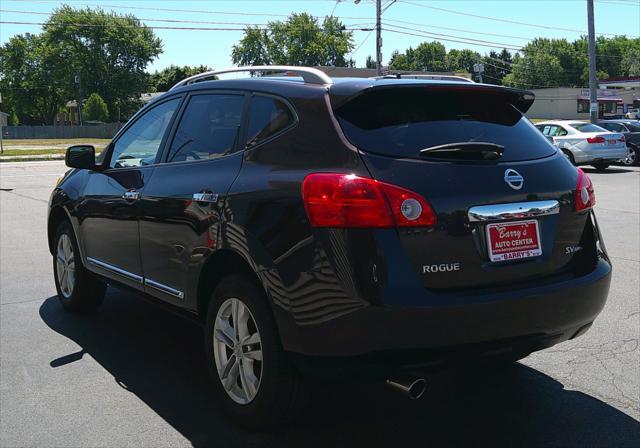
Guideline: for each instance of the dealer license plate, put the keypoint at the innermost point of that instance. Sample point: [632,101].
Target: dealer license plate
[513,240]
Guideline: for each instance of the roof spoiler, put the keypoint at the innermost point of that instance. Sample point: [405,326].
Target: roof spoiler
[520,99]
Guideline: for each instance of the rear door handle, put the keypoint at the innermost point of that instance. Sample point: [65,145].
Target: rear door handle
[205,197]
[131,195]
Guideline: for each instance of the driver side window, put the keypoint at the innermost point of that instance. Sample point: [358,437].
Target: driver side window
[139,145]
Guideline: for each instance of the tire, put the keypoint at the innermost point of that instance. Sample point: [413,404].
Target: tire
[632,157]
[277,392]
[569,156]
[601,166]
[78,290]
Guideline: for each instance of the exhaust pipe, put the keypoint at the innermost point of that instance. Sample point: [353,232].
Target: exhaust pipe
[411,386]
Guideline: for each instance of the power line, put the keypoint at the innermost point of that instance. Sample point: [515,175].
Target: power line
[495,19]
[449,40]
[449,35]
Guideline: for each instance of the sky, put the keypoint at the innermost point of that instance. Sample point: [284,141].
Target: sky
[509,23]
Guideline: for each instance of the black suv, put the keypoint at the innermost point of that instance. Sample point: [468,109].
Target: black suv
[377,227]
[631,131]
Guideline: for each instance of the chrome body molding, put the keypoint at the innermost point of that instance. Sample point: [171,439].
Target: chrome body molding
[164,288]
[116,270]
[515,210]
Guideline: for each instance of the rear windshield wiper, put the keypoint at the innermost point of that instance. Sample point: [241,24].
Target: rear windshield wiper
[464,151]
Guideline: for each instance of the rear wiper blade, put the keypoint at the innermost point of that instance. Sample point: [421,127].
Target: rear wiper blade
[465,150]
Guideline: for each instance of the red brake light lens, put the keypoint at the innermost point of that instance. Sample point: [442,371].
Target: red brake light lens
[349,201]
[585,197]
[596,140]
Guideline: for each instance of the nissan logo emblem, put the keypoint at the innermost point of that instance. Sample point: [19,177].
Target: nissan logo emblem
[513,179]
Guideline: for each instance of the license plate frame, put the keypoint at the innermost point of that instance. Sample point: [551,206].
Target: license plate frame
[515,240]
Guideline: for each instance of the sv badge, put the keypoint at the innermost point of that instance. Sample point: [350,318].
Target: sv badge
[572,249]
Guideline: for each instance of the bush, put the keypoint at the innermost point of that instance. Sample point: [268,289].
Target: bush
[95,109]
[13,119]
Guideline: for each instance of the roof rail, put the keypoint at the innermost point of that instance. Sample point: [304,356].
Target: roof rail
[308,74]
[434,77]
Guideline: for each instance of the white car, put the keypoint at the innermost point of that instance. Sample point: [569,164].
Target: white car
[585,143]
[633,114]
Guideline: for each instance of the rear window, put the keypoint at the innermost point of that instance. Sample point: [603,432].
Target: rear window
[399,122]
[587,127]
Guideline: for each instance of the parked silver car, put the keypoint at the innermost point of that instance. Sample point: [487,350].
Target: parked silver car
[585,143]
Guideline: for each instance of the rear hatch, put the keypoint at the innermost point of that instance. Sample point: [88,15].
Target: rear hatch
[469,152]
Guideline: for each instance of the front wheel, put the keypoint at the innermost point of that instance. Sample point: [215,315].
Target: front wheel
[78,290]
[252,377]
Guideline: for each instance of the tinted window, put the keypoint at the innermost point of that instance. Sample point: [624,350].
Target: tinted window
[139,144]
[399,122]
[614,127]
[633,126]
[268,116]
[208,128]
[587,127]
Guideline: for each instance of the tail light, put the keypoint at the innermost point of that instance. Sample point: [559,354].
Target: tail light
[585,197]
[596,140]
[622,139]
[350,201]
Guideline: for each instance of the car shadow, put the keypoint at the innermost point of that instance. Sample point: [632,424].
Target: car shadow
[159,357]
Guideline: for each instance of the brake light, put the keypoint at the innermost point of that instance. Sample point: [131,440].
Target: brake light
[585,197]
[350,201]
[595,140]
[622,139]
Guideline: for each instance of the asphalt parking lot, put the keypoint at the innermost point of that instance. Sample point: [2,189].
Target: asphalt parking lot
[133,375]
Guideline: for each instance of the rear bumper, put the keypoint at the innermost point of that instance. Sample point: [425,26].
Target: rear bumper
[522,320]
[600,155]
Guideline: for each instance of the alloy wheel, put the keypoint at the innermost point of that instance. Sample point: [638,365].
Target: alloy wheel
[631,157]
[65,265]
[238,351]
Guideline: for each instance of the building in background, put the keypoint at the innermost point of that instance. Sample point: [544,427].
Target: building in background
[615,97]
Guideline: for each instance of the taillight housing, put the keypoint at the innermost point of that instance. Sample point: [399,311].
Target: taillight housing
[350,201]
[596,140]
[622,139]
[585,197]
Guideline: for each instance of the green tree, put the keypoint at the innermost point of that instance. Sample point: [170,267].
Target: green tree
[109,51]
[163,80]
[428,56]
[30,78]
[462,60]
[370,62]
[13,119]
[496,66]
[300,40]
[95,109]
[631,62]
[535,71]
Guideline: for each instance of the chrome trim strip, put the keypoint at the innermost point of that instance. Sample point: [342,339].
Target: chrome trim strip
[164,288]
[515,210]
[116,270]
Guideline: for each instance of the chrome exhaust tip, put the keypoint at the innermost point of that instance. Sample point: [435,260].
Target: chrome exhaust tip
[411,386]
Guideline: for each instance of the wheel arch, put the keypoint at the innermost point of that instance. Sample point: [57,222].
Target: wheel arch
[220,264]
[57,216]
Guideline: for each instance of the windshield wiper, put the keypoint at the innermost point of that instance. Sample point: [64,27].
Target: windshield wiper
[464,151]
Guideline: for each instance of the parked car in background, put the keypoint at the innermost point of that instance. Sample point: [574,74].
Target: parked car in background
[631,131]
[584,143]
[633,114]
[371,227]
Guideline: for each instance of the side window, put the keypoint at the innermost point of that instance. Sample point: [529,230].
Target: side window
[561,131]
[139,144]
[548,130]
[267,117]
[208,128]
[613,127]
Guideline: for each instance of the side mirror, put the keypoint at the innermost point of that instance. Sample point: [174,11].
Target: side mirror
[81,156]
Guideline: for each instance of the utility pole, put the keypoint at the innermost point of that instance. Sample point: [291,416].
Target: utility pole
[379,37]
[78,81]
[593,82]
